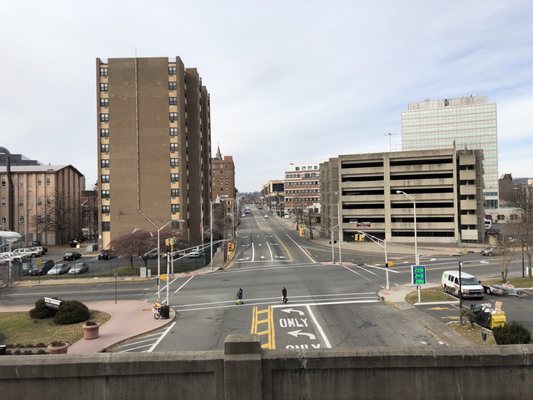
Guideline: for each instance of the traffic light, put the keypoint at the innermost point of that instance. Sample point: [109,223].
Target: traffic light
[359,237]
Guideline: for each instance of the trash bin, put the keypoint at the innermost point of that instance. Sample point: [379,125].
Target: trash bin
[165,312]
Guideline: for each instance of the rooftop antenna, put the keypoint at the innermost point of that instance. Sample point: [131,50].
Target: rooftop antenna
[390,139]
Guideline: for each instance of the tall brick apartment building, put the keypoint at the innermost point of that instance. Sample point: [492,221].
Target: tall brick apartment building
[154,141]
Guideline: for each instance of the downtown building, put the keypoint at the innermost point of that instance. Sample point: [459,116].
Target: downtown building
[361,191]
[224,194]
[464,123]
[272,195]
[154,147]
[302,189]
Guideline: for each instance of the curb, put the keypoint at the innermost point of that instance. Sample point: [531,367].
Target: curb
[169,321]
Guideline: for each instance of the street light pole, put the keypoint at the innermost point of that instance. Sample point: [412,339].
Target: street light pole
[339,225]
[159,258]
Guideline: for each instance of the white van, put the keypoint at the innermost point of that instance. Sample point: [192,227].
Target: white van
[470,284]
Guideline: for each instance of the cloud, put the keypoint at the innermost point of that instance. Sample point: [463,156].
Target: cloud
[289,81]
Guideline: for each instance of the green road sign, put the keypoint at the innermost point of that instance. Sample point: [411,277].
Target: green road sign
[418,274]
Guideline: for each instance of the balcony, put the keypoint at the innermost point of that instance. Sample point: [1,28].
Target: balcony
[468,189]
[468,175]
[468,219]
[468,204]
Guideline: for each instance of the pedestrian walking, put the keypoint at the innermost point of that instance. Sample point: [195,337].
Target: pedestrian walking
[239,297]
[284,295]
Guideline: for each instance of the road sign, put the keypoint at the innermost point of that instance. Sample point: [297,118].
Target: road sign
[418,274]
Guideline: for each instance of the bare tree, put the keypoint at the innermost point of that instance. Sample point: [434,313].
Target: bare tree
[508,253]
[57,215]
[135,244]
[524,201]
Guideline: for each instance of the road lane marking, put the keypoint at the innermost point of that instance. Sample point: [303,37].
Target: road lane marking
[284,247]
[320,330]
[178,289]
[134,348]
[161,337]
[299,332]
[382,268]
[267,331]
[362,276]
[248,304]
[302,249]
[253,252]
[270,249]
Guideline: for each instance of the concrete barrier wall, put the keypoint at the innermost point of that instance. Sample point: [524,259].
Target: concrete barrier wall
[244,371]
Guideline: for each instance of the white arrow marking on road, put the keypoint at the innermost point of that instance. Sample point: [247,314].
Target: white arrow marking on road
[483,262]
[289,310]
[300,333]
[433,259]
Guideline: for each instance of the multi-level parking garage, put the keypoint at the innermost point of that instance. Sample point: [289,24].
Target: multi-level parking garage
[376,193]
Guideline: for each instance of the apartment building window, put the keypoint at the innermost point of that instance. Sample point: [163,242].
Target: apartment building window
[39,201]
[104,102]
[104,148]
[48,200]
[104,87]
[105,178]
[104,117]
[174,192]
[173,131]
[3,182]
[3,201]
[174,208]
[104,132]
[104,163]
[21,183]
[173,147]
[172,86]
[39,182]
[106,226]
[172,70]
[21,201]
[174,178]
[47,181]
[172,101]
[106,194]
[106,209]
[173,116]
[103,71]
[174,162]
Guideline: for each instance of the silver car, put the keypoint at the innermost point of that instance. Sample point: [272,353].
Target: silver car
[78,268]
[59,269]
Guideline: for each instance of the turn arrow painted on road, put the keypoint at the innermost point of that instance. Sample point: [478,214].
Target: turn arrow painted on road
[289,310]
[300,333]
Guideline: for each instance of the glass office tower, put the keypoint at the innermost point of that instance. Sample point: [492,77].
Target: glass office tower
[469,122]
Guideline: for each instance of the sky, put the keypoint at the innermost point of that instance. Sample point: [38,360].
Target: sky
[291,81]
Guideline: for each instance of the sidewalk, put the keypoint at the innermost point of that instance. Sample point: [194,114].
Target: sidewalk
[396,298]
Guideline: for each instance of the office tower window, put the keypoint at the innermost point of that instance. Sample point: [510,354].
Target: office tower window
[105,178]
[173,131]
[173,147]
[106,194]
[104,163]
[104,87]
[104,117]
[174,162]
[173,116]
[104,132]
[174,192]
[104,148]
[106,209]
[104,102]
[106,226]
[174,178]
[172,101]
[172,86]
[174,208]
[172,70]
[103,71]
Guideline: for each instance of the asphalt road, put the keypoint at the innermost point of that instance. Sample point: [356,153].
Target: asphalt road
[329,305]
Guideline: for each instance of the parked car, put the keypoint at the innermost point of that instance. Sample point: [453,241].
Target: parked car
[470,286]
[105,255]
[78,268]
[73,243]
[491,251]
[59,269]
[43,270]
[195,253]
[71,256]
[35,251]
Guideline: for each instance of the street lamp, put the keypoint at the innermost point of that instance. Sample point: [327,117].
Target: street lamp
[217,201]
[417,260]
[159,258]
[339,224]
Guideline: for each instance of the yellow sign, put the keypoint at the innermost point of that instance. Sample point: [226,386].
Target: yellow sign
[302,231]
[390,263]
[163,277]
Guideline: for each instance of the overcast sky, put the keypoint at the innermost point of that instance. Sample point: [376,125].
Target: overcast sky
[290,81]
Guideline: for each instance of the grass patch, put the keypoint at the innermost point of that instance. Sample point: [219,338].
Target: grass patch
[19,328]
[473,334]
[516,281]
[427,295]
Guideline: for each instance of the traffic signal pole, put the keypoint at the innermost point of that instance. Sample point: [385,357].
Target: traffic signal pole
[383,244]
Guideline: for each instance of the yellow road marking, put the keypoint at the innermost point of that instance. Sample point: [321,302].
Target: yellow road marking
[269,331]
[439,308]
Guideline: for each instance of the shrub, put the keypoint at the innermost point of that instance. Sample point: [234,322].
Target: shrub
[72,312]
[512,333]
[41,311]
